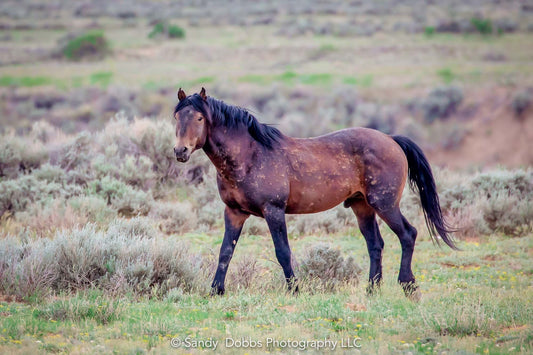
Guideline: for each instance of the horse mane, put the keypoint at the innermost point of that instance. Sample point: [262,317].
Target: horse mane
[235,118]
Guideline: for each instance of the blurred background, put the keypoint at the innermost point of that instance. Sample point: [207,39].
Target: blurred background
[456,76]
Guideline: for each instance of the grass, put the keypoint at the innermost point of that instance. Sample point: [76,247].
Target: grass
[101,78]
[363,81]
[25,81]
[291,78]
[477,301]
[447,75]
[350,56]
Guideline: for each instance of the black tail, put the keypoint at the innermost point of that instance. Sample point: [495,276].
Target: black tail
[421,179]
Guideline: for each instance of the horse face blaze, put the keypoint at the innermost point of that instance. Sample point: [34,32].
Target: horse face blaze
[190,133]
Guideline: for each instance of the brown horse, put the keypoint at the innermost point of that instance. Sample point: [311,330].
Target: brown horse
[264,173]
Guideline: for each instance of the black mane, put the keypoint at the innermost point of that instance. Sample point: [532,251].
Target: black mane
[233,117]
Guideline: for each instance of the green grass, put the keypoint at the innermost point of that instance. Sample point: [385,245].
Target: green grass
[204,80]
[474,301]
[429,31]
[101,78]
[363,81]
[26,81]
[291,78]
[446,74]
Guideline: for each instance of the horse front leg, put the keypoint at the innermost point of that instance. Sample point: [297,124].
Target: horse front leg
[234,220]
[275,218]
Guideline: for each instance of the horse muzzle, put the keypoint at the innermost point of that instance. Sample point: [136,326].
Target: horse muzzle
[182,154]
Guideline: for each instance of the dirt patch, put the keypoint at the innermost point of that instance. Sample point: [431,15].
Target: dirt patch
[463,266]
[493,136]
[491,257]
[7,298]
[356,307]
[288,309]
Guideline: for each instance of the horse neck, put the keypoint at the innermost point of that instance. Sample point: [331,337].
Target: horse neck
[227,149]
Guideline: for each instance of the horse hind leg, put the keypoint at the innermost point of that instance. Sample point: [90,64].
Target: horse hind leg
[407,235]
[366,219]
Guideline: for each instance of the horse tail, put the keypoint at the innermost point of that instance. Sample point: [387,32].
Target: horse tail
[421,180]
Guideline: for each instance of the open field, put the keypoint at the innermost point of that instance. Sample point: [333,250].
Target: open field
[474,301]
[107,245]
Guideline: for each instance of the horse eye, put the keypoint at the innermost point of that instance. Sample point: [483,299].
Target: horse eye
[200,118]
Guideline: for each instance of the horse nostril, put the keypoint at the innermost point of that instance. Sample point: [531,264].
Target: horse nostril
[180,150]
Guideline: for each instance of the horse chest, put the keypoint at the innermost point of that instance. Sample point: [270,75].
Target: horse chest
[235,195]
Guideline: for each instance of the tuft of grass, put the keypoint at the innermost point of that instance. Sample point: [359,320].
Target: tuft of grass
[103,310]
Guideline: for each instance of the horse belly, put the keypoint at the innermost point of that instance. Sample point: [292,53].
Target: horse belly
[321,193]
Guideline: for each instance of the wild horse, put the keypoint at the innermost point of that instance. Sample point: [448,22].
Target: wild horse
[264,173]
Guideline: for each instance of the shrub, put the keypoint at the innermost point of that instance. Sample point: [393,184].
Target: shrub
[121,260]
[483,26]
[42,219]
[18,155]
[325,264]
[243,272]
[17,194]
[77,153]
[429,30]
[330,221]
[93,208]
[167,30]
[124,198]
[177,217]
[50,173]
[494,202]
[88,45]
[255,226]
[25,272]
[521,102]
[137,227]
[441,102]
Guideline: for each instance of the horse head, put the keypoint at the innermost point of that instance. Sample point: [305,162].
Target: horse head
[191,115]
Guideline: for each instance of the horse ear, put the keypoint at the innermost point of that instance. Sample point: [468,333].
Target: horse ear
[202,94]
[181,94]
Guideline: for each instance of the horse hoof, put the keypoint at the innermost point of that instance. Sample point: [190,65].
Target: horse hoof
[294,290]
[372,289]
[293,286]
[412,291]
[217,291]
[415,296]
